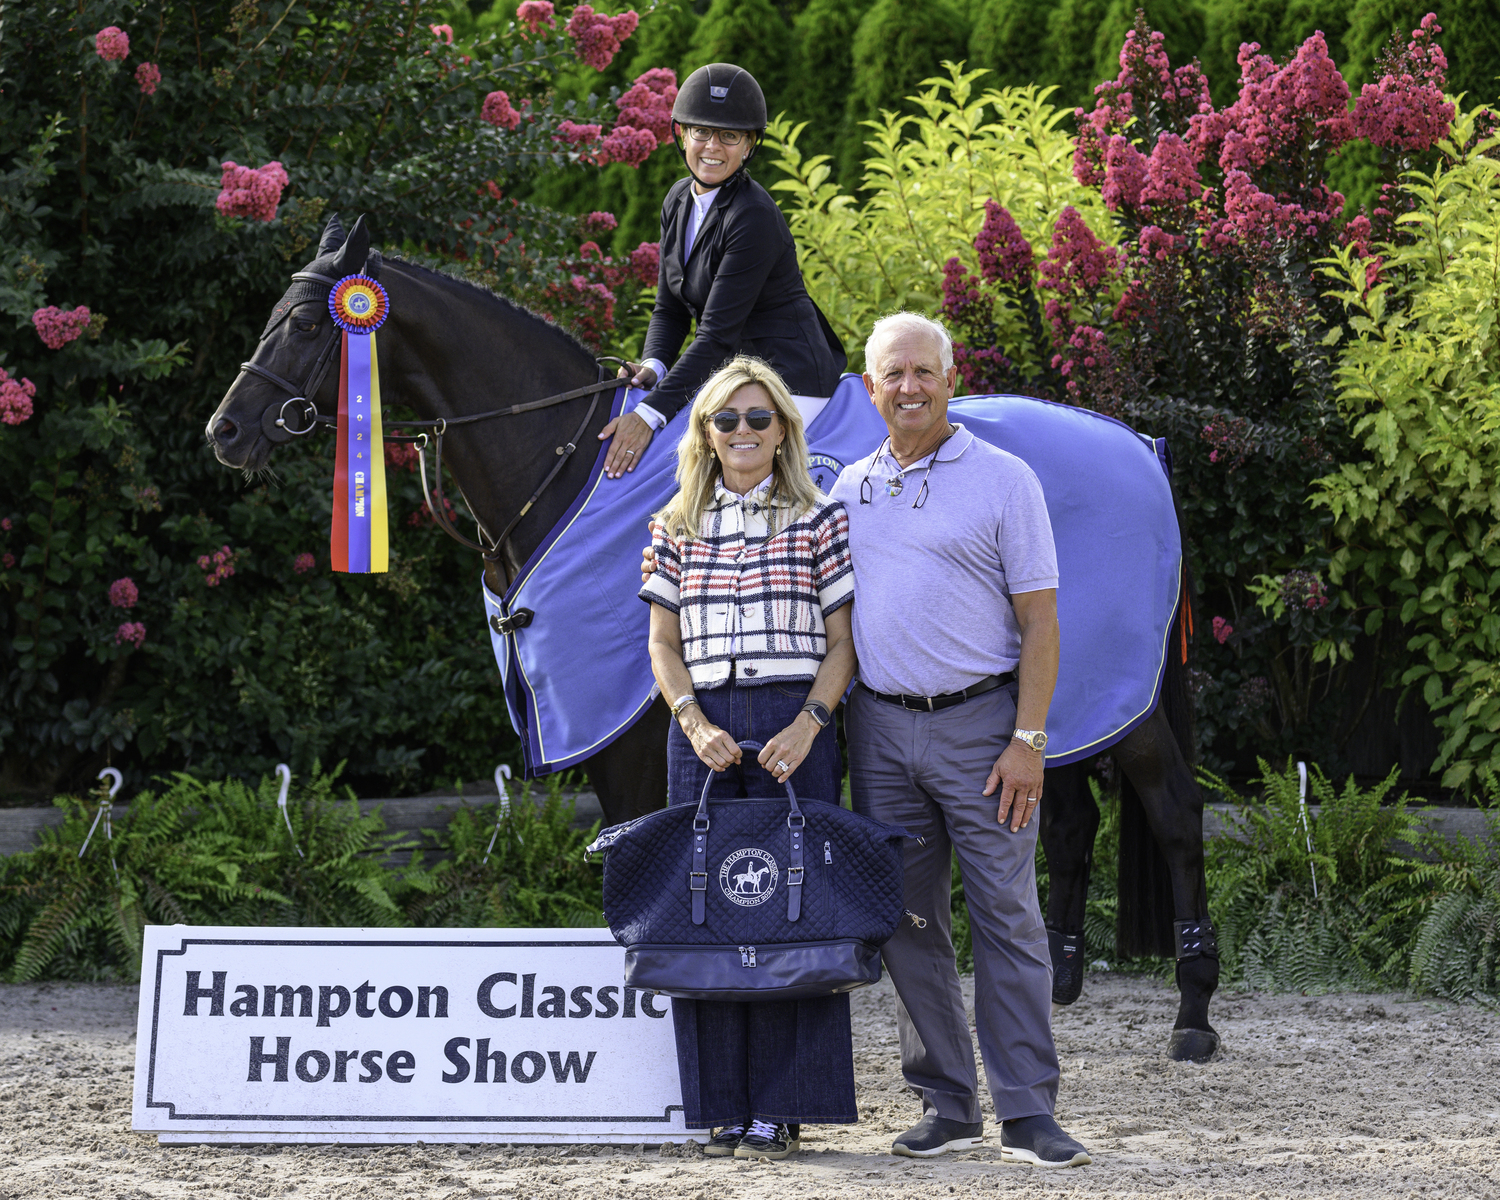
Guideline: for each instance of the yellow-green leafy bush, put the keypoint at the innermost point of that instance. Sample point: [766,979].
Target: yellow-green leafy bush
[926,180]
[1419,518]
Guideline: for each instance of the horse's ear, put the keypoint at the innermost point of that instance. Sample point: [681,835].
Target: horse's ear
[354,251]
[333,236]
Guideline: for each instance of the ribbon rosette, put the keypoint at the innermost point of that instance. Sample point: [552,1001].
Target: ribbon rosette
[360,541]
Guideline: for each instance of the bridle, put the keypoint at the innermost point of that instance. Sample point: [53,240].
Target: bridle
[492,548]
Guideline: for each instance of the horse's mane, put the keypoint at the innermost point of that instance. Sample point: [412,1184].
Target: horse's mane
[489,296]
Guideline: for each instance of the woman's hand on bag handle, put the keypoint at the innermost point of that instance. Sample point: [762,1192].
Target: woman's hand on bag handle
[648,565]
[712,744]
[790,747]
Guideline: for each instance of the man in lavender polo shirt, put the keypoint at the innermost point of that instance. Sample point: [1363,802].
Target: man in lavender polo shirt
[955,626]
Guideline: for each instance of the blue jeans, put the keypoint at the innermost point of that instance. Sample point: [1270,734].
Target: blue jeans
[786,1061]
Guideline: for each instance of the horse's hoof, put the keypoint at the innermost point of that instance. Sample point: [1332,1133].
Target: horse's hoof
[1193,1045]
[1067,966]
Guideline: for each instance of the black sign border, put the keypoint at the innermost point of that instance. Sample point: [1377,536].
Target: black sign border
[171,1106]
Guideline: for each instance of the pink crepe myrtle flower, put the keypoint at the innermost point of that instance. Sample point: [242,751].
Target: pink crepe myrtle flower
[112,43]
[645,262]
[1171,173]
[130,631]
[963,301]
[15,405]
[57,328]
[1124,174]
[577,135]
[597,37]
[1405,109]
[445,32]
[647,103]
[218,566]
[626,144]
[8,561]
[123,593]
[536,15]
[251,191]
[1004,253]
[148,75]
[498,112]
[1157,243]
[1222,630]
[7,524]
[1076,257]
[304,563]
[599,222]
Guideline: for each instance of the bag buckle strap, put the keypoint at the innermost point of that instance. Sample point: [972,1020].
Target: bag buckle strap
[698,888]
[795,871]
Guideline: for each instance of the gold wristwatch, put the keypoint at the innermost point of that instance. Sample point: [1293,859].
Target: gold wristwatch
[1035,738]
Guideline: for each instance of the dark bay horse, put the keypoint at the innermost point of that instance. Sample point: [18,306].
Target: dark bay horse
[450,348]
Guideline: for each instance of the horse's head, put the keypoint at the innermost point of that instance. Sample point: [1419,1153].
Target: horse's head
[297,358]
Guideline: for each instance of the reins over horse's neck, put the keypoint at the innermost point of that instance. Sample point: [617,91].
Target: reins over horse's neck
[459,351]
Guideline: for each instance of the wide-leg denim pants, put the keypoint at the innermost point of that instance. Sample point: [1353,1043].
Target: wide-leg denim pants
[786,1061]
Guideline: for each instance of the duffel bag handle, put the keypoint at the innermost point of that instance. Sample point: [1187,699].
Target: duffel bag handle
[796,823]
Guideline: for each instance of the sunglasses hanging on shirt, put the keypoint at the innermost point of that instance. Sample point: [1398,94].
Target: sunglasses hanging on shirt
[897,482]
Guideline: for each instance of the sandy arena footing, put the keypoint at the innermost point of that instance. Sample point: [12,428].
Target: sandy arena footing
[1367,1096]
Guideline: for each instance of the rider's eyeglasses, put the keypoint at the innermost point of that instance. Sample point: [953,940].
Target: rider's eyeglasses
[727,421]
[727,137]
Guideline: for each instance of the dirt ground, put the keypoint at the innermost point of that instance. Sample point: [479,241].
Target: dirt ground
[1350,1095]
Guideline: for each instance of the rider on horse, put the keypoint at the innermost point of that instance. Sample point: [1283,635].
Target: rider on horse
[728,262]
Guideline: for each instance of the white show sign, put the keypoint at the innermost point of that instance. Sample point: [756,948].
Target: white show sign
[380,1035]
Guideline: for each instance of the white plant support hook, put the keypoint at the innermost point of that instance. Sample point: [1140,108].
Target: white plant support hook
[1306,825]
[502,773]
[285,773]
[105,807]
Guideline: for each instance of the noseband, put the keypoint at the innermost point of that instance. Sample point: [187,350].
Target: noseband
[494,551]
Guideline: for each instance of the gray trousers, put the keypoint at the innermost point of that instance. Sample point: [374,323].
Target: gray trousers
[926,772]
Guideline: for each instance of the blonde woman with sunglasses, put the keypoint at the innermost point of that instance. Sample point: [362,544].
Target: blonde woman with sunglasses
[751,640]
[728,264]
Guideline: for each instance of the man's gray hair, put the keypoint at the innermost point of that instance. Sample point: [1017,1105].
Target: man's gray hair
[907,322]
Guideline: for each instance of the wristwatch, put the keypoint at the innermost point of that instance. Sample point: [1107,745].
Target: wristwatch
[819,713]
[1035,738]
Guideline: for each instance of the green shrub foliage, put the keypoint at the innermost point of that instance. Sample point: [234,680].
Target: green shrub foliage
[221,854]
[229,647]
[1418,511]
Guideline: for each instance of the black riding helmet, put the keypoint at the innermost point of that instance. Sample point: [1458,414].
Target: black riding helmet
[721,96]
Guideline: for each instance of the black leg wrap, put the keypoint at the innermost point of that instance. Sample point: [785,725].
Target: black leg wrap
[1195,939]
[1068,965]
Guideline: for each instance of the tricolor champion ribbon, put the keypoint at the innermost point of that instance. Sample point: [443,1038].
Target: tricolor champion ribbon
[360,542]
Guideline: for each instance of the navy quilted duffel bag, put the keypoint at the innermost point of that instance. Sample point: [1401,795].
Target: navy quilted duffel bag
[751,899]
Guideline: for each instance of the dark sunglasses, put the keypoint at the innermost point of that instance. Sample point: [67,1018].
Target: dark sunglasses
[727,421]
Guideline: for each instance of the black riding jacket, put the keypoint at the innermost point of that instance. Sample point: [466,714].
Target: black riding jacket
[744,288]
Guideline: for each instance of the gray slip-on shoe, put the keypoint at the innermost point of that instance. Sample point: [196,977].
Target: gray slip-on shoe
[1039,1142]
[934,1135]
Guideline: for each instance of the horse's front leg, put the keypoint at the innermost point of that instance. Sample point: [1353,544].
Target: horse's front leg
[1070,818]
[1150,757]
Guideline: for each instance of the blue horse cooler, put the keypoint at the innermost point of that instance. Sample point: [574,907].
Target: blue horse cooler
[751,899]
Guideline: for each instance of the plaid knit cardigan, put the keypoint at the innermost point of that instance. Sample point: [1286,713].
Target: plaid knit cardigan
[750,602]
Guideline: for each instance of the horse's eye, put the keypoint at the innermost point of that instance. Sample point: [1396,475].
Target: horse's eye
[306,326]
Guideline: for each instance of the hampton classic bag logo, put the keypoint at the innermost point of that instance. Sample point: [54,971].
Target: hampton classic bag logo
[748,877]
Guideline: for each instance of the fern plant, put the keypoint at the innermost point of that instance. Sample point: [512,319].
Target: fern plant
[534,877]
[1306,902]
[1456,949]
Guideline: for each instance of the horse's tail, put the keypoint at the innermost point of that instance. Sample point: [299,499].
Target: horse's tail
[1144,889]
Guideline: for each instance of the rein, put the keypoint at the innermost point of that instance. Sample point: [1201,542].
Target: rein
[494,551]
